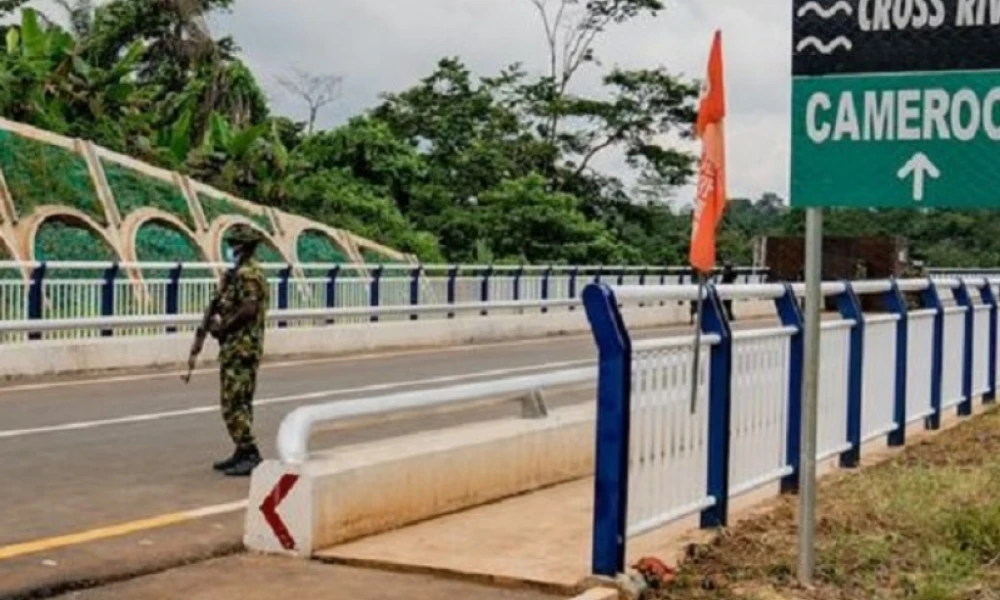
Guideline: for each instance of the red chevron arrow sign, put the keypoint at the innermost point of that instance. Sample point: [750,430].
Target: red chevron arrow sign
[269,508]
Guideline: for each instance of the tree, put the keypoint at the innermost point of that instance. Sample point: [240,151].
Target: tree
[571,28]
[317,91]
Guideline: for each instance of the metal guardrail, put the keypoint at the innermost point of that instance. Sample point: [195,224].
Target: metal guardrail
[297,426]
[278,316]
[911,359]
[62,290]
[295,429]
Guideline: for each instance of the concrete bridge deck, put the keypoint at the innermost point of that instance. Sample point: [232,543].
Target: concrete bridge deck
[111,475]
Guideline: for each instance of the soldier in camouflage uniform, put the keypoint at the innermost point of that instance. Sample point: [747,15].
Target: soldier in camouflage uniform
[239,327]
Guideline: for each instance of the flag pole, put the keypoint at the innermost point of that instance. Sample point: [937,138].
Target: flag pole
[696,363]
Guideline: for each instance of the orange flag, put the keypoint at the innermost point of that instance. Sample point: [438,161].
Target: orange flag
[710,202]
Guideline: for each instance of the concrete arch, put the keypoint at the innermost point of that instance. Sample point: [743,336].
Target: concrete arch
[327,232]
[61,214]
[221,225]
[9,246]
[145,216]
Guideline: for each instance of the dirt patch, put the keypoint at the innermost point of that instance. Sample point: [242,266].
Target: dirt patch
[924,526]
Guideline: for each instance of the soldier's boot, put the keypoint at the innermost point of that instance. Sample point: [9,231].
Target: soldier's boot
[247,461]
[222,465]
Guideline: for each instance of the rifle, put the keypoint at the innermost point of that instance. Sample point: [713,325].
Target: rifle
[202,332]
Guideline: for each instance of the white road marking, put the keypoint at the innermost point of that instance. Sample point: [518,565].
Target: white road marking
[32,387]
[317,395]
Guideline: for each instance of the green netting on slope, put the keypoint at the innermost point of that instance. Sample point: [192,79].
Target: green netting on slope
[39,174]
[267,254]
[57,241]
[373,257]
[316,247]
[157,242]
[217,207]
[133,191]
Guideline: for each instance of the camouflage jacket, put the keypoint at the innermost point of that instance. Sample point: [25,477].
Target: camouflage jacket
[247,342]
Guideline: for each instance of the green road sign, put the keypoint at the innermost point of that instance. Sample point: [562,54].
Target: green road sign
[896,103]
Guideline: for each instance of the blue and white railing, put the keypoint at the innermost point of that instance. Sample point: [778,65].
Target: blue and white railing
[657,461]
[66,290]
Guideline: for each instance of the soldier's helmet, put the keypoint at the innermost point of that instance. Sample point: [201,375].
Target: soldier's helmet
[241,235]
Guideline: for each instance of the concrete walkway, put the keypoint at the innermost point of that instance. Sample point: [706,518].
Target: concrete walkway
[250,577]
[542,538]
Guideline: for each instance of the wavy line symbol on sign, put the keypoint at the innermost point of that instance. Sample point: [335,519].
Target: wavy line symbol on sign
[825,13]
[824,48]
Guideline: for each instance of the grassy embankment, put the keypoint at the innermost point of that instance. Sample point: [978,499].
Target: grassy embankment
[923,526]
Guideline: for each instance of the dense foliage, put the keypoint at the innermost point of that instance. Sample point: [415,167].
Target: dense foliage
[458,167]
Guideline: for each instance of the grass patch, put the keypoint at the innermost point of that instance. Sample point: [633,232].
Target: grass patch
[923,526]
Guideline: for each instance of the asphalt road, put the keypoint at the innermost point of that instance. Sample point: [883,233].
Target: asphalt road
[80,456]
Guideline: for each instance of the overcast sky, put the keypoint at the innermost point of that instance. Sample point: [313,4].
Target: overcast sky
[379,45]
[383,45]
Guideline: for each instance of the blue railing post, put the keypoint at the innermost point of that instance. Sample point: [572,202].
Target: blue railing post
[962,299]
[642,282]
[719,410]
[374,294]
[990,299]
[546,281]
[452,280]
[574,273]
[284,286]
[108,296]
[331,290]
[896,303]
[850,308]
[174,293]
[663,281]
[621,276]
[614,350]
[518,275]
[484,288]
[415,289]
[791,316]
[36,298]
[930,299]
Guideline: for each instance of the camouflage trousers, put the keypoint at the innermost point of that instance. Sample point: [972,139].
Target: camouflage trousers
[239,381]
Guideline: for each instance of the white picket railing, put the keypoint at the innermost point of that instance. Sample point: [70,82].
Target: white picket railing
[668,442]
[759,418]
[672,450]
[953,350]
[879,376]
[834,369]
[919,364]
[64,297]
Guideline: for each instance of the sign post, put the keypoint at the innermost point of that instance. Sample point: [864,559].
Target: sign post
[810,396]
[896,104]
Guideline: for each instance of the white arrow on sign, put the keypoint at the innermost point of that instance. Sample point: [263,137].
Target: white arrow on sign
[919,166]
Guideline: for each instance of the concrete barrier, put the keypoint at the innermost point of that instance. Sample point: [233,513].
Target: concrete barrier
[52,357]
[362,490]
